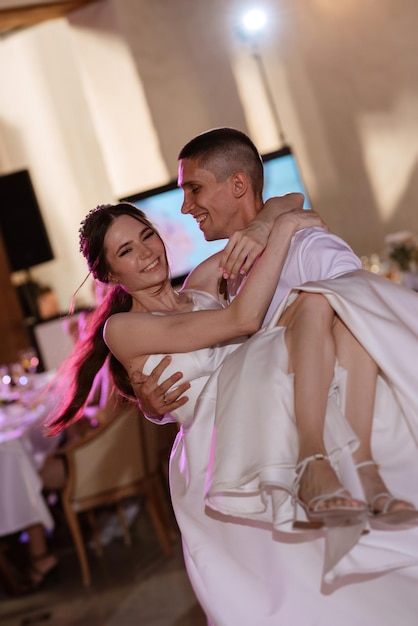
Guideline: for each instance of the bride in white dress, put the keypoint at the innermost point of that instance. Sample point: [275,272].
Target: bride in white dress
[233,463]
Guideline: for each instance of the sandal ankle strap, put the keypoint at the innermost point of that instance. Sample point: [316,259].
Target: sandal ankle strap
[301,467]
[366,464]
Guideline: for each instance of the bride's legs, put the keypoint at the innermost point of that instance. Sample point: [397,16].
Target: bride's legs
[361,387]
[311,348]
[362,374]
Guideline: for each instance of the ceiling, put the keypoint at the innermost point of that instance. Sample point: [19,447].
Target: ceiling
[17,14]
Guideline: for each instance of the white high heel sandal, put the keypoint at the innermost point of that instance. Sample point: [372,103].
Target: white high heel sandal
[386,516]
[318,516]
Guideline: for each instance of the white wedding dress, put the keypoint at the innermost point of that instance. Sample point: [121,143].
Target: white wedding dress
[232,467]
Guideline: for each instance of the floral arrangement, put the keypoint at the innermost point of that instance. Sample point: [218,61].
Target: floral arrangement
[402,248]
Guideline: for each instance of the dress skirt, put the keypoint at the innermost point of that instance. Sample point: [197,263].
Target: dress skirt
[233,465]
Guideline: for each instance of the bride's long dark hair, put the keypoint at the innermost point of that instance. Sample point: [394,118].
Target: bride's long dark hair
[90,353]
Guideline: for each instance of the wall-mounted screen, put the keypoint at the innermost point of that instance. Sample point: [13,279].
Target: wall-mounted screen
[186,246]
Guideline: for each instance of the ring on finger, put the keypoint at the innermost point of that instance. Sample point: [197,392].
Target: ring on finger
[165,398]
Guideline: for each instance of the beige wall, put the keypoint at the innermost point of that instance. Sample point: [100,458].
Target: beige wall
[98,105]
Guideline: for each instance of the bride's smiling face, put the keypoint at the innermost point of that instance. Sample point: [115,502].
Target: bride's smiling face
[135,254]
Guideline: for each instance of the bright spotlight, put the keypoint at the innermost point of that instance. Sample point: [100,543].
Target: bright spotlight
[253,21]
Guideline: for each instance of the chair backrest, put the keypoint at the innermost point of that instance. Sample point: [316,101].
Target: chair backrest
[113,458]
[119,459]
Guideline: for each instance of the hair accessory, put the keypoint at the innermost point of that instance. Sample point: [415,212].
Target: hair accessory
[81,230]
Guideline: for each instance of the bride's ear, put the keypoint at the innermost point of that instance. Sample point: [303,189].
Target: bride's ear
[240,184]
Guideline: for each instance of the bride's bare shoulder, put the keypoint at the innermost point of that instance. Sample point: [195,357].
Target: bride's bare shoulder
[206,276]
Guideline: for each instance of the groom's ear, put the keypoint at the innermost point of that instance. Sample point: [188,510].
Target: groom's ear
[240,184]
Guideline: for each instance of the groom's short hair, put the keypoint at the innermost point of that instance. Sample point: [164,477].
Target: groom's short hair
[226,151]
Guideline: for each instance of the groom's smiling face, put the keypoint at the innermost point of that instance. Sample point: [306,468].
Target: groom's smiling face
[211,203]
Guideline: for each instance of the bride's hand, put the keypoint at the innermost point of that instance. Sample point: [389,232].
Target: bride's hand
[243,248]
[246,245]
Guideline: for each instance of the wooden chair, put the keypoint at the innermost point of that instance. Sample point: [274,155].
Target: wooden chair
[118,460]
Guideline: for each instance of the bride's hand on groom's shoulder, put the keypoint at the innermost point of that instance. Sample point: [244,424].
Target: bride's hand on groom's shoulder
[243,249]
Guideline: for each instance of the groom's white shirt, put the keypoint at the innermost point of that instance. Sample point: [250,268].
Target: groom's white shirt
[314,254]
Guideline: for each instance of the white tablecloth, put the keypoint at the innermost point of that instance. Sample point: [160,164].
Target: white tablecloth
[23,449]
